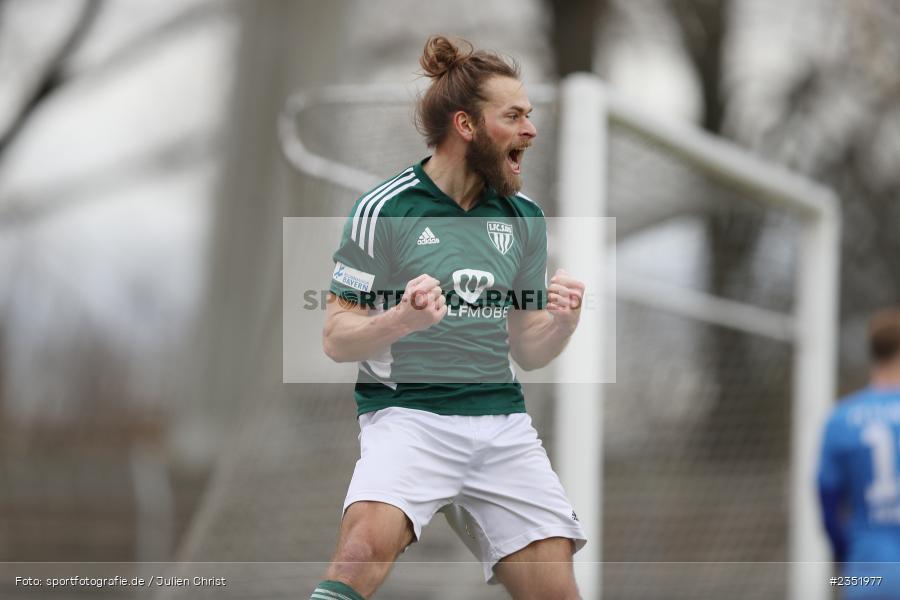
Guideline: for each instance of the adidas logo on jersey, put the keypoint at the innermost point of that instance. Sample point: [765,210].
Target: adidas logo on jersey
[428,237]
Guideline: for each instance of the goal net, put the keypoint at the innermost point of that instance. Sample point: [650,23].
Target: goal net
[701,482]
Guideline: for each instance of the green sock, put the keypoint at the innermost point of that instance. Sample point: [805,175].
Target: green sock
[335,590]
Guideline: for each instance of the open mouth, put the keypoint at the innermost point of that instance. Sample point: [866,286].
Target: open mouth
[514,158]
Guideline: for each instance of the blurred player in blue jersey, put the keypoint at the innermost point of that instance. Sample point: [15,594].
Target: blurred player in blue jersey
[859,473]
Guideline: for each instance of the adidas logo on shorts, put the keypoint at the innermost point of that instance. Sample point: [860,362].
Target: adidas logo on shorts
[428,237]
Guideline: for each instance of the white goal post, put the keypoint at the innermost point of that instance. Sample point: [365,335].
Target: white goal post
[587,108]
[812,327]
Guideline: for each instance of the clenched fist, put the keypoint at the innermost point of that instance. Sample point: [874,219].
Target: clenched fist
[565,297]
[422,305]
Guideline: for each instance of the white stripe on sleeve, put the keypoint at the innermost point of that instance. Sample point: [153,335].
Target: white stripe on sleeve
[328,595]
[365,227]
[377,210]
[362,203]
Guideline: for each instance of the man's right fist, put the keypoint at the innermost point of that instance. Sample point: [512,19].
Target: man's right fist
[422,305]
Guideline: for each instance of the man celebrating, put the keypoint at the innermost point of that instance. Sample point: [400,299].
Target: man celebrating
[442,417]
[859,482]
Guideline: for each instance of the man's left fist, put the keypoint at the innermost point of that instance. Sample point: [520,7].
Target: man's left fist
[565,297]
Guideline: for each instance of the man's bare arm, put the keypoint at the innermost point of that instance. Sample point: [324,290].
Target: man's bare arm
[534,338]
[538,336]
[352,334]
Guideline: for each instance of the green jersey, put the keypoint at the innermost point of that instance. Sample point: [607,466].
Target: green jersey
[489,260]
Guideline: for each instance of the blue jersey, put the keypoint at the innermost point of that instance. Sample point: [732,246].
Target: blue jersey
[859,484]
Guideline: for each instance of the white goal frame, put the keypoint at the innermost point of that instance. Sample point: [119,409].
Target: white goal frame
[586,108]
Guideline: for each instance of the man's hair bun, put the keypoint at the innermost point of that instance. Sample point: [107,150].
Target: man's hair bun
[441,55]
[458,75]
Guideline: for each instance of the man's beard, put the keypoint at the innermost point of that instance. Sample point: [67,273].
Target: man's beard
[488,159]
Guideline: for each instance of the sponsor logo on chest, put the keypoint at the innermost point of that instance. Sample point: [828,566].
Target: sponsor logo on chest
[471,283]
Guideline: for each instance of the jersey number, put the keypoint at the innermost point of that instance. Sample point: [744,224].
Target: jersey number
[885,488]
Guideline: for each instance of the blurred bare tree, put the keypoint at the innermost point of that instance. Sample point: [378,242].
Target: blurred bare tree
[93,317]
[51,74]
[835,117]
[705,27]
[574,28]
[840,124]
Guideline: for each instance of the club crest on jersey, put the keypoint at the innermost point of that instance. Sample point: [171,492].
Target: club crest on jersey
[471,283]
[501,235]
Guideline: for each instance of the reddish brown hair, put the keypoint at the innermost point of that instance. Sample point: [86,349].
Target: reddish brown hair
[884,335]
[458,73]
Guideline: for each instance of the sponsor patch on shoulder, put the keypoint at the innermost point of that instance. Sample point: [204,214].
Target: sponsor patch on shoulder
[354,278]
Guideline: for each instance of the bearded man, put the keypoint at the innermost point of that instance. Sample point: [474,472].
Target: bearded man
[443,427]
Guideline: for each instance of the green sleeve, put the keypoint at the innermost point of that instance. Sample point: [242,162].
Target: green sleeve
[362,261]
[531,282]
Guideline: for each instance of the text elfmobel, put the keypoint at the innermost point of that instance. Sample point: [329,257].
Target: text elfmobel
[484,312]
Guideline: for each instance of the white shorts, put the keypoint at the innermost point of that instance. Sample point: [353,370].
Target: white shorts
[489,475]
